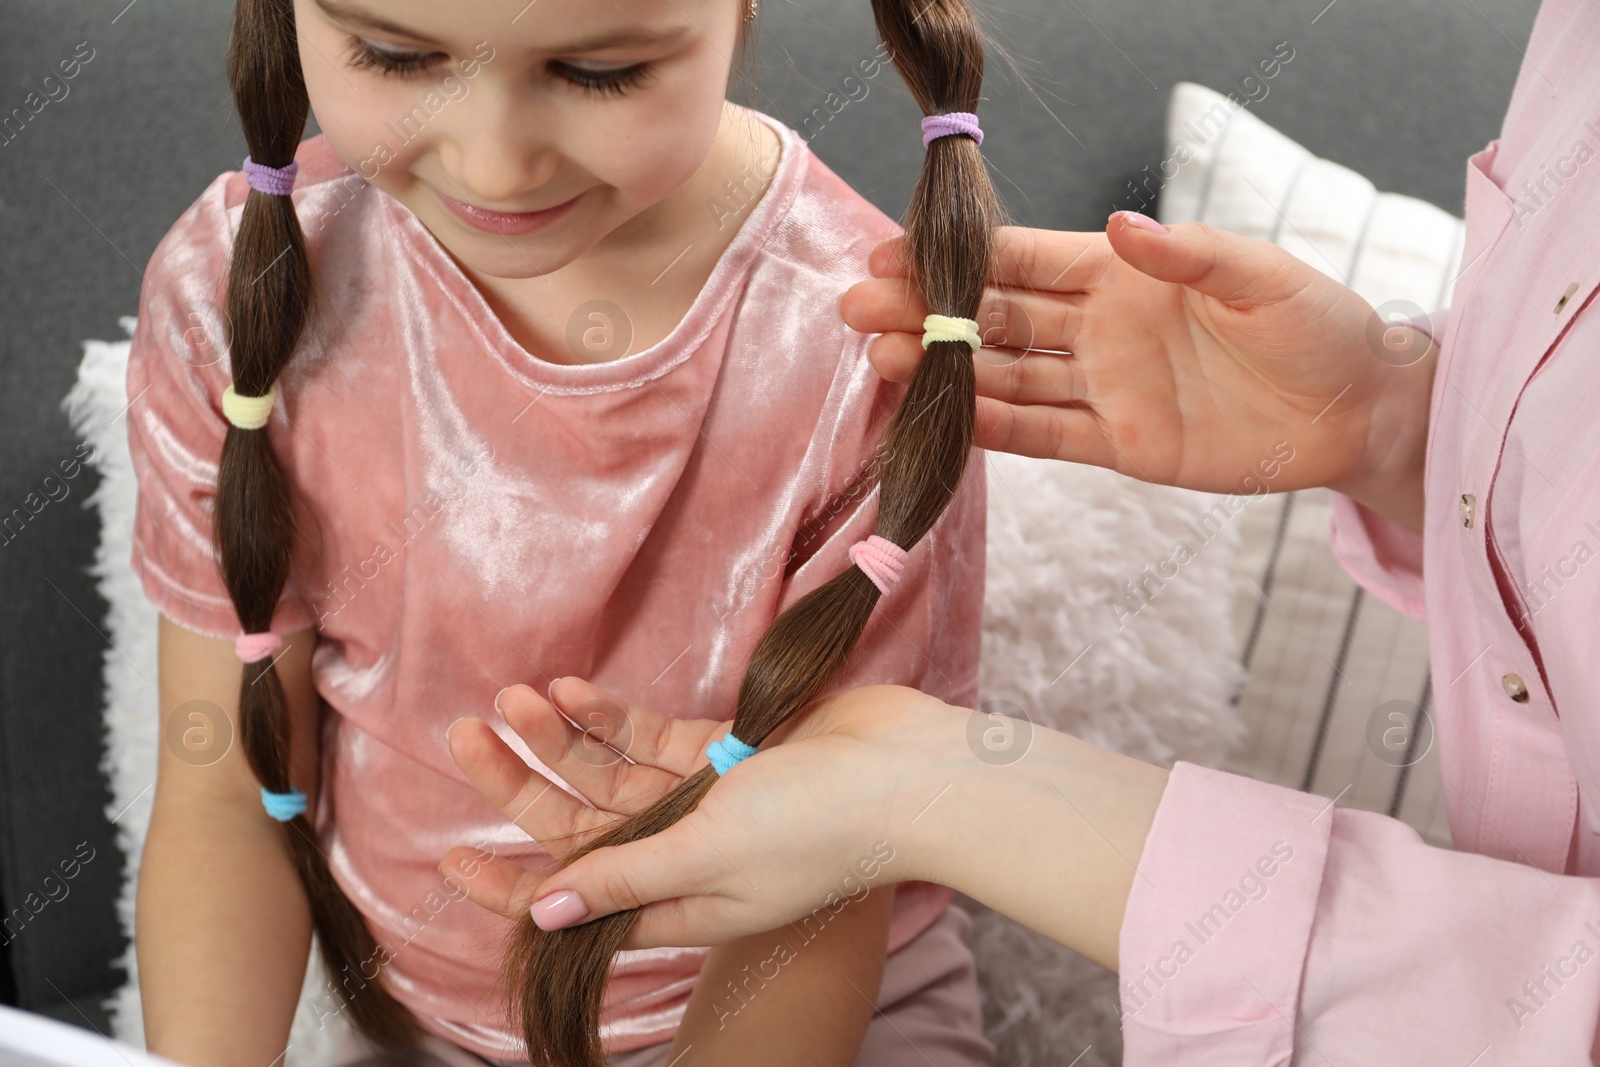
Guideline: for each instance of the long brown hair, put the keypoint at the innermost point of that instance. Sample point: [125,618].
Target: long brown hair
[270,295]
[557,980]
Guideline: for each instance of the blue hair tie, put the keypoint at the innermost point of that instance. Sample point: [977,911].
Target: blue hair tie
[283,806]
[728,751]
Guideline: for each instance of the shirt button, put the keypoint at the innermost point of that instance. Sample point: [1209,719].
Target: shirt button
[1468,502]
[1572,290]
[1514,688]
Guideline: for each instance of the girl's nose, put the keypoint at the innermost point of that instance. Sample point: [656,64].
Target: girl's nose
[498,152]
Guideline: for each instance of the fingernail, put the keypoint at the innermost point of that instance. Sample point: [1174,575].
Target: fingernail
[452,726]
[1142,222]
[550,690]
[497,697]
[558,910]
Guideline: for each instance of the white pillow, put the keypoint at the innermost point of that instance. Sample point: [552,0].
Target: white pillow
[1235,172]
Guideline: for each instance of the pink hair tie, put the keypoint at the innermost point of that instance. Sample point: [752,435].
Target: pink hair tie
[951,122]
[278,181]
[253,647]
[879,559]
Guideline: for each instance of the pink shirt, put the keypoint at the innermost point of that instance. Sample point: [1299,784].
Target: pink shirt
[1266,924]
[473,516]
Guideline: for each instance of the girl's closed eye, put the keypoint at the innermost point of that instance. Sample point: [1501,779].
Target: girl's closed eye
[364,55]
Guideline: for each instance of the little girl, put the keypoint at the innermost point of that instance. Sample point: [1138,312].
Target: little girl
[546,380]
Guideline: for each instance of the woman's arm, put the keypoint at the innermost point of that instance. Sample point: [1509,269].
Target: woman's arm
[223,924]
[1249,923]
[1052,840]
[802,994]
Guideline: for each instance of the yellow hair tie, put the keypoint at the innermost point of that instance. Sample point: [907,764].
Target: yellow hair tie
[247,412]
[945,328]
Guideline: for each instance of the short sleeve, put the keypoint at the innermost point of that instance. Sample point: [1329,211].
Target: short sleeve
[177,370]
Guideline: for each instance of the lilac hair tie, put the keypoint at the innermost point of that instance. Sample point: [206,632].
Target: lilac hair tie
[275,180]
[935,126]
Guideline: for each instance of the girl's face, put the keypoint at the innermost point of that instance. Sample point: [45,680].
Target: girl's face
[603,108]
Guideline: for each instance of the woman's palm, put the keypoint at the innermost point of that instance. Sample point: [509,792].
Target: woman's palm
[1216,363]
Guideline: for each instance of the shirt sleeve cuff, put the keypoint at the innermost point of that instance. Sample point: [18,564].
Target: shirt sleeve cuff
[1382,556]
[1218,921]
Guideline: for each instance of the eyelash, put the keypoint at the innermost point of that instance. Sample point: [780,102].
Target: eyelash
[363,56]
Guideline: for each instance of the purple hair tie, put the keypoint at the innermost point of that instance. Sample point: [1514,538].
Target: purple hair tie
[935,126]
[275,180]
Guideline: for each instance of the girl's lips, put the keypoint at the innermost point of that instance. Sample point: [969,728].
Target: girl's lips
[502,221]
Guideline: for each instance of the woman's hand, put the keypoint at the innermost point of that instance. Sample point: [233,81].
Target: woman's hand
[770,841]
[1190,357]
[875,785]
[667,751]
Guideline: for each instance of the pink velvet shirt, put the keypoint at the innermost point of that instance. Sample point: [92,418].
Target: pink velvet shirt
[1268,926]
[472,516]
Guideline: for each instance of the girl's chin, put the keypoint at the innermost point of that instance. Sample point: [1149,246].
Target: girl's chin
[505,255]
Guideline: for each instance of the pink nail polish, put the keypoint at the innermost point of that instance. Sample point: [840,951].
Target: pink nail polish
[558,910]
[1142,222]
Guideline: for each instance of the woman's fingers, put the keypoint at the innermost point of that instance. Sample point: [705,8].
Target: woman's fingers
[491,882]
[619,756]
[1052,261]
[545,811]
[1239,271]
[649,739]
[1009,375]
[1028,403]
[1042,431]
[589,736]
[678,862]
[1007,318]
[582,742]
[650,877]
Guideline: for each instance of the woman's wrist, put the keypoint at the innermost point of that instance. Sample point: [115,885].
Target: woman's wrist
[1389,480]
[1048,832]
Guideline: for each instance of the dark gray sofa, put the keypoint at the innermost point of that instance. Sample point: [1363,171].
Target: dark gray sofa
[1402,92]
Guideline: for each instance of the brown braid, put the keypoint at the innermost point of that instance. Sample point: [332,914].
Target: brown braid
[269,295]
